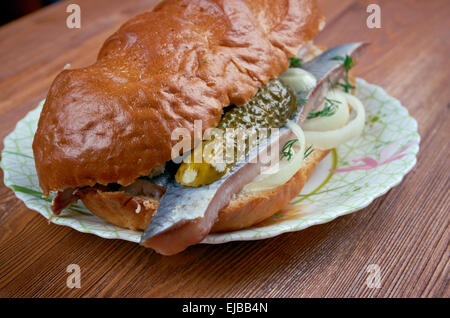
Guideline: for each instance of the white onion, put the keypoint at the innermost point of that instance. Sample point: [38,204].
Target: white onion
[298,80]
[333,138]
[286,168]
[337,120]
[319,140]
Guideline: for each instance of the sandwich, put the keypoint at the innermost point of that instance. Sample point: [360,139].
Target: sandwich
[106,132]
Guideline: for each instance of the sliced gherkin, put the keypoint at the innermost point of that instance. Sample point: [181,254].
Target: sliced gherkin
[271,107]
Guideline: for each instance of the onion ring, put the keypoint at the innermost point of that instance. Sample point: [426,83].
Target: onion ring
[333,138]
[286,168]
[338,119]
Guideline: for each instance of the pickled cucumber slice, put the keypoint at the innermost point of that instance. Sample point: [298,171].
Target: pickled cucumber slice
[271,107]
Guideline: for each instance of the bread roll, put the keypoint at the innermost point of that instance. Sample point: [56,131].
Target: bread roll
[122,208]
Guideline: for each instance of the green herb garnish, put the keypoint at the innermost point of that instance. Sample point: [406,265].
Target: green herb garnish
[308,151]
[329,109]
[288,152]
[346,85]
[295,62]
[348,63]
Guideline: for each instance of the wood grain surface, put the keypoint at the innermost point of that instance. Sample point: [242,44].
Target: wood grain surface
[405,232]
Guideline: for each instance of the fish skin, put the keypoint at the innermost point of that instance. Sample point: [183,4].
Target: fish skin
[192,211]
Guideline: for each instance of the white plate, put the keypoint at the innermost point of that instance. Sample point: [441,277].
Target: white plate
[347,180]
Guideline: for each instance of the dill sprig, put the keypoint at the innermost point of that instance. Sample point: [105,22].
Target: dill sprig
[348,63]
[287,151]
[308,151]
[295,62]
[329,109]
[347,86]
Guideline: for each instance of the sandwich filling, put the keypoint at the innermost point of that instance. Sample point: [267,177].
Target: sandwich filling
[270,108]
[338,119]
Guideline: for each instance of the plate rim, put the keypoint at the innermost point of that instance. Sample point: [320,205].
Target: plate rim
[215,238]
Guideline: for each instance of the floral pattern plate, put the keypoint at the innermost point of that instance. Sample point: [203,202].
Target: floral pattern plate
[347,180]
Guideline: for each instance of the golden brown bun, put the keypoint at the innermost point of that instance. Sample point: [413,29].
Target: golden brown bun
[184,61]
[245,210]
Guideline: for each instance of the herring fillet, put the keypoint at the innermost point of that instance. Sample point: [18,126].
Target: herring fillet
[185,215]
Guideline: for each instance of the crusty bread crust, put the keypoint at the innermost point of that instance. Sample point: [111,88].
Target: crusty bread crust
[184,61]
[245,210]
[251,208]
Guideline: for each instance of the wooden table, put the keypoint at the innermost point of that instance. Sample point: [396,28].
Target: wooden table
[405,231]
